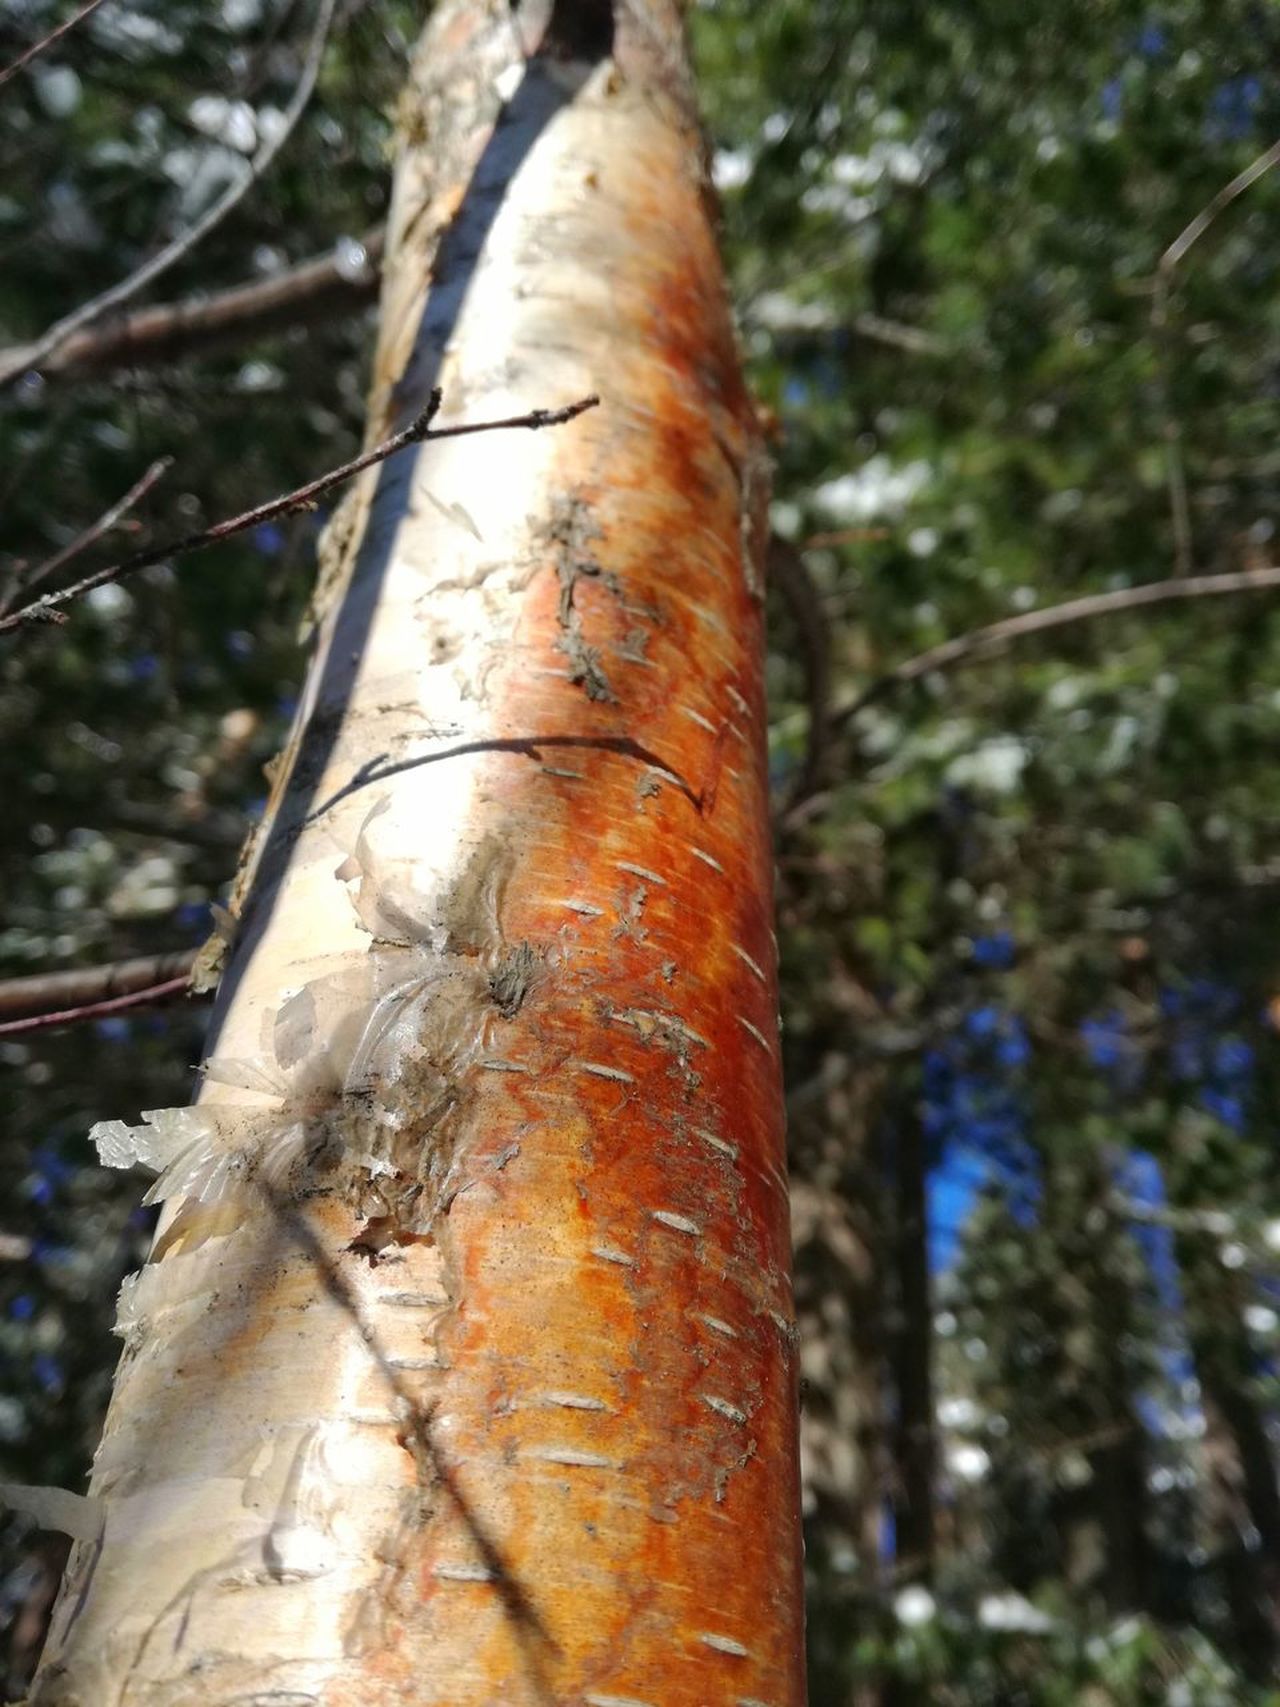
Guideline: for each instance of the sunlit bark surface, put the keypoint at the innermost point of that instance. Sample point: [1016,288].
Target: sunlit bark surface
[462,1371]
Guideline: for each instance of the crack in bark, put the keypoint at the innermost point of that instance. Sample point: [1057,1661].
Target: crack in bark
[571,531]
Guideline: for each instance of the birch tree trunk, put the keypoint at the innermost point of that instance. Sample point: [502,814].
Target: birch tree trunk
[462,1369]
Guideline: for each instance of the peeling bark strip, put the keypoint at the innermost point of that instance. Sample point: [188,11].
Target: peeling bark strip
[462,1370]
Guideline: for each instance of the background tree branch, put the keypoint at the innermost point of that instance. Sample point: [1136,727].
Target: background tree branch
[24,581]
[47,40]
[981,642]
[57,997]
[328,284]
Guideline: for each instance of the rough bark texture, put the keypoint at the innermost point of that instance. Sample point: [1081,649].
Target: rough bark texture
[463,1368]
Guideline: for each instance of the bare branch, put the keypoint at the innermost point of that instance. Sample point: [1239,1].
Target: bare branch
[61,330]
[47,998]
[168,331]
[982,641]
[96,531]
[775,313]
[48,608]
[1217,1223]
[1215,205]
[844,536]
[876,329]
[98,1010]
[1179,506]
[45,41]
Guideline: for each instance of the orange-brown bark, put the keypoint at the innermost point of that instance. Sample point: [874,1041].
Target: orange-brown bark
[620,1418]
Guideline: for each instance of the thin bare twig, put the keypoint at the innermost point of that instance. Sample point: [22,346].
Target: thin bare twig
[45,41]
[982,641]
[876,329]
[96,531]
[47,608]
[1217,204]
[85,988]
[843,536]
[56,335]
[168,331]
[1217,1223]
[801,320]
[1179,506]
[98,1010]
